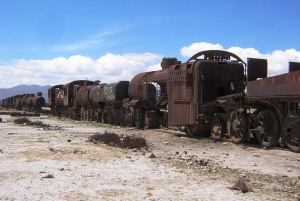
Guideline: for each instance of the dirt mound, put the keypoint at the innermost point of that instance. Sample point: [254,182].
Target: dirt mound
[122,141]
[26,121]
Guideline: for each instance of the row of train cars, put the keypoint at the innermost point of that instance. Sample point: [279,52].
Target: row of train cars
[214,93]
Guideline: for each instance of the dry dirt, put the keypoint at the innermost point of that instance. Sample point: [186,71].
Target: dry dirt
[58,162]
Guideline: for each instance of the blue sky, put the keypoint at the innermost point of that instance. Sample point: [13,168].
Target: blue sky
[57,41]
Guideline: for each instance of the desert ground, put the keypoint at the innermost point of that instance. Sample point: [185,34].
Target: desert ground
[55,159]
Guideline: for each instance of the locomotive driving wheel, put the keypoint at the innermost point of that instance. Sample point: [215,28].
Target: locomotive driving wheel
[267,126]
[110,118]
[217,128]
[138,117]
[122,117]
[237,126]
[104,118]
[291,132]
[130,117]
[147,122]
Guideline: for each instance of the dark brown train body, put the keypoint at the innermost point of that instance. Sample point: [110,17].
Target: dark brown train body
[213,93]
[27,102]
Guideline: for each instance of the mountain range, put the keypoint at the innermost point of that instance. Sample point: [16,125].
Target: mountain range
[23,89]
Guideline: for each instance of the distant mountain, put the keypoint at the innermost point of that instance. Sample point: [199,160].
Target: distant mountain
[24,89]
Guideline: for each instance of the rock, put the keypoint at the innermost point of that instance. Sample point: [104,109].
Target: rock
[48,176]
[69,140]
[177,152]
[152,156]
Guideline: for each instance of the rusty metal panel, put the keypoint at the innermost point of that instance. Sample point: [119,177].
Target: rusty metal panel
[181,110]
[257,68]
[281,85]
[294,66]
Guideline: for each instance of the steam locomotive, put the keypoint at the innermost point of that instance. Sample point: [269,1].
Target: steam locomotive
[206,95]
[27,102]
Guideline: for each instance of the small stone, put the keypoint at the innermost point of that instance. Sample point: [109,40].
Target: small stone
[185,152]
[48,176]
[69,140]
[255,155]
[152,156]
[255,164]
[289,170]
[177,152]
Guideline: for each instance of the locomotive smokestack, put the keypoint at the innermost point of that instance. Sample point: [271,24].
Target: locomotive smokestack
[167,62]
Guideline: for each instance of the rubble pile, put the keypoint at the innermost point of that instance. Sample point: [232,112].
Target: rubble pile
[26,121]
[122,141]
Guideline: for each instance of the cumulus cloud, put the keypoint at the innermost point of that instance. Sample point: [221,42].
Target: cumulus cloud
[277,59]
[108,68]
[114,67]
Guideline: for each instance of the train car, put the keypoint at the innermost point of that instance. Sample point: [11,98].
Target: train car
[147,102]
[55,99]
[70,108]
[32,102]
[103,102]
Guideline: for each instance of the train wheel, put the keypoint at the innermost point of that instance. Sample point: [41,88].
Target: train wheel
[291,132]
[115,113]
[104,118]
[110,118]
[147,122]
[122,117]
[237,126]
[138,117]
[130,117]
[268,125]
[217,128]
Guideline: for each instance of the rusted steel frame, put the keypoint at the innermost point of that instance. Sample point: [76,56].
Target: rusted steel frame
[285,86]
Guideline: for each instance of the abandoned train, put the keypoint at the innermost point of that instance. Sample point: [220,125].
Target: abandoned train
[205,95]
[214,93]
[26,102]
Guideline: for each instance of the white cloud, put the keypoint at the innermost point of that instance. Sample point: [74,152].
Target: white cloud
[277,60]
[108,68]
[198,47]
[112,67]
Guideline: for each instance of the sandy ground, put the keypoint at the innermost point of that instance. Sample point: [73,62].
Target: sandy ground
[59,163]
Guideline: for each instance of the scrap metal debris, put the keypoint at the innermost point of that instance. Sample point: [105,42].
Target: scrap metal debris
[240,185]
[122,141]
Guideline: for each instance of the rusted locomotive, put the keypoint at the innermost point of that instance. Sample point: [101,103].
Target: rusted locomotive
[206,95]
[89,100]
[27,102]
